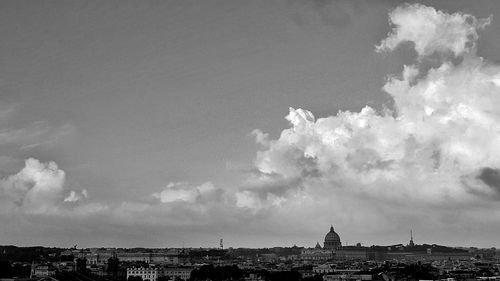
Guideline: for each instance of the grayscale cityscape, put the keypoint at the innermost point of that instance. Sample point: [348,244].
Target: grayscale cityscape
[249,140]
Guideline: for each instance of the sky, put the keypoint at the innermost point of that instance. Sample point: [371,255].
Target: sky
[170,123]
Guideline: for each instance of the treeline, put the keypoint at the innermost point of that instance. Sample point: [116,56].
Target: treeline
[279,251]
[227,272]
[8,270]
[233,272]
[29,254]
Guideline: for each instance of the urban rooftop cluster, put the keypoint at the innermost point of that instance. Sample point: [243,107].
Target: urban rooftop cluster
[329,262]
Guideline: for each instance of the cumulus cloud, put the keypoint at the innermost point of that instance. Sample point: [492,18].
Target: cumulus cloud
[184,192]
[260,137]
[432,31]
[438,146]
[38,188]
[75,196]
[36,200]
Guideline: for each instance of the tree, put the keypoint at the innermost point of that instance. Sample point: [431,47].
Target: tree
[316,277]
[227,272]
[285,275]
[5,269]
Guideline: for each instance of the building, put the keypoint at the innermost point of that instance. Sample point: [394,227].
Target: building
[146,273]
[270,257]
[341,277]
[177,272]
[81,265]
[316,255]
[134,257]
[97,258]
[328,252]
[65,266]
[66,256]
[42,270]
[352,253]
[113,267]
[322,269]
[332,240]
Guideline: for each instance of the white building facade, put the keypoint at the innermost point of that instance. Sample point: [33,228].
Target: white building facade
[149,273]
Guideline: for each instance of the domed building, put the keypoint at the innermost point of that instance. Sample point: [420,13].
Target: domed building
[332,240]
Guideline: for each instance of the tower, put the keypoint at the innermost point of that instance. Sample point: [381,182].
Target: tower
[411,244]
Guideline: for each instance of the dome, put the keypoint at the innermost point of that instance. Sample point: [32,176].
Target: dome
[332,240]
[332,235]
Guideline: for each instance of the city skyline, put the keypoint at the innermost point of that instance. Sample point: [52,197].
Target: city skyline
[326,243]
[220,245]
[161,123]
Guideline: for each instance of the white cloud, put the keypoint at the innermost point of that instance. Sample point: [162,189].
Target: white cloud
[72,197]
[37,189]
[75,197]
[184,192]
[260,137]
[432,30]
[36,135]
[85,193]
[437,148]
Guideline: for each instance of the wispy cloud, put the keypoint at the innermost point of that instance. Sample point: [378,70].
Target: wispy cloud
[333,13]
[38,134]
[48,137]
[30,135]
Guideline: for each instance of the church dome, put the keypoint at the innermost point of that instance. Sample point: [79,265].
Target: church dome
[332,240]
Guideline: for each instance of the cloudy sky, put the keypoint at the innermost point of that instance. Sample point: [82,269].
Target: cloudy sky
[158,123]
